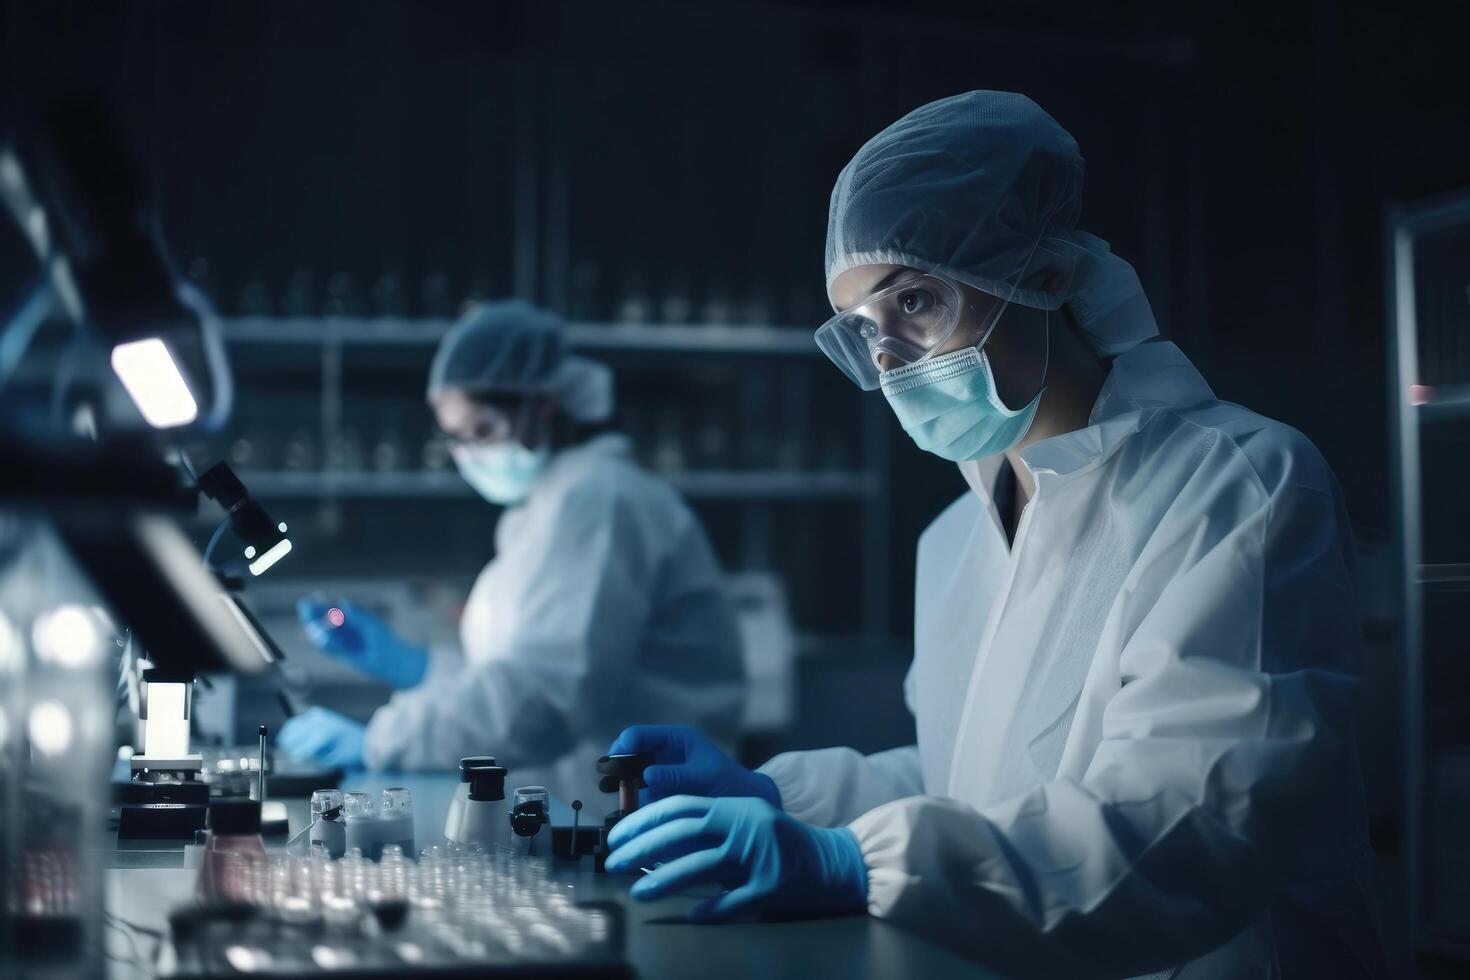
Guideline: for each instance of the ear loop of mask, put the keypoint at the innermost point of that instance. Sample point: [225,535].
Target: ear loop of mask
[1006,302]
[1045,357]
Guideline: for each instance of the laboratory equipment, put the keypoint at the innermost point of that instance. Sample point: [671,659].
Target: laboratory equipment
[328,821]
[242,451]
[264,538]
[387,294]
[621,773]
[573,853]
[395,818]
[636,306]
[689,763]
[230,770]
[462,791]
[72,189]
[372,829]
[718,309]
[53,759]
[435,453]
[482,819]
[342,298]
[530,821]
[235,865]
[460,911]
[435,295]
[300,296]
[255,297]
[260,770]
[168,787]
[299,452]
[345,452]
[677,306]
[93,521]
[388,453]
[760,307]
[361,820]
[166,797]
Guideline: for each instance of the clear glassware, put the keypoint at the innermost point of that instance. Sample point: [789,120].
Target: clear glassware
[329,821]
[396,816]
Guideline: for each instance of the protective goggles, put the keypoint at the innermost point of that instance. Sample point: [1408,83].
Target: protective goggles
[908,321]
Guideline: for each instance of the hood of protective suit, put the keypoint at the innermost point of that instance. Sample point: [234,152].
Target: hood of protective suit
[514,348]
[985,188]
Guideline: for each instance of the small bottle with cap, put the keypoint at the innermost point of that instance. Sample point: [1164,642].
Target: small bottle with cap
[362,825]
[483,818]
[234,869]
[395,819]
[328,821]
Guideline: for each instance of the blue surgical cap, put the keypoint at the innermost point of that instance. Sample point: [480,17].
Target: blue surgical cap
[514,348]
[985,188]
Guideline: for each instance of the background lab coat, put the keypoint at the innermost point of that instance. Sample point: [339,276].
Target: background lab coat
[1134,730]
[604,607]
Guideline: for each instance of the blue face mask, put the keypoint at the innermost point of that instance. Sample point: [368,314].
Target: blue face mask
[949,407]
[503,473]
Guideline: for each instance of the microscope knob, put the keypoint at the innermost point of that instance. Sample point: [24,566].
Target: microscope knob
[624,768]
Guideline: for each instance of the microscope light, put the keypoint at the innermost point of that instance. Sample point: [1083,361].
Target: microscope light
[278,551]
[154,382]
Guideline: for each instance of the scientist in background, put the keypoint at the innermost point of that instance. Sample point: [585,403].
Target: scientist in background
[603,605]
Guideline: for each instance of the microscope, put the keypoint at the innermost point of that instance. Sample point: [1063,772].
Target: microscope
[166,797]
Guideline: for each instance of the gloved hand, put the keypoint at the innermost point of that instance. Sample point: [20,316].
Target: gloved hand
[362,640]
[768,859]
[323,736]
[686,761]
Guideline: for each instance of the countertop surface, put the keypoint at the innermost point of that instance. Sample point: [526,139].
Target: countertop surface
[146,879]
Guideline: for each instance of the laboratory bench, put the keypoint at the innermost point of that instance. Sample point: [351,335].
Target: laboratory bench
[145,880]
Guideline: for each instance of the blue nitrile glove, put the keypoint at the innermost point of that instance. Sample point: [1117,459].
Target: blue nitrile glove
[770,861]
[686,761]
[323,736]
[362,640]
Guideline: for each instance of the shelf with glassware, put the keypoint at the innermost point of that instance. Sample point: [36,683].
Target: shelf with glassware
[738,417]
[694,449]
[708,485]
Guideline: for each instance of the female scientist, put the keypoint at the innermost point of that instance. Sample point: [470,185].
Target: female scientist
[1135,639]
[603,604]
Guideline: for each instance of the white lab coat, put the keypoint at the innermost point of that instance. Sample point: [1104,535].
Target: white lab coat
[1135,747]
[603,607]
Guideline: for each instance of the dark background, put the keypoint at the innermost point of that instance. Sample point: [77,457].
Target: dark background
[1241,155]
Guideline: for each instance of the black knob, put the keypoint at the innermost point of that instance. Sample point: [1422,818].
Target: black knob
[527,819]
[471,762]
[487,783]
[623,768]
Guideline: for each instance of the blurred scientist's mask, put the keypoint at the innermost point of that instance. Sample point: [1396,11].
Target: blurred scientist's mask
[502,472]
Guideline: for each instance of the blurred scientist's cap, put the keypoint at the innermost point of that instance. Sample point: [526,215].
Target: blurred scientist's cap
[514,348]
